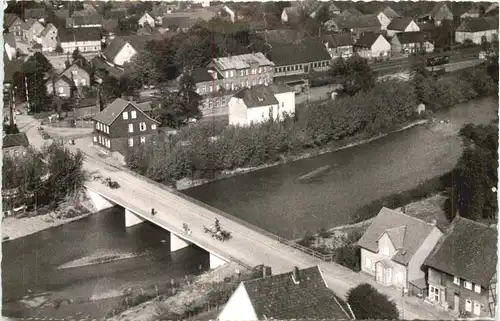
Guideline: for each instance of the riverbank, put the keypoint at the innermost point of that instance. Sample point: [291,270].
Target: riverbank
[74,208]
[360,139]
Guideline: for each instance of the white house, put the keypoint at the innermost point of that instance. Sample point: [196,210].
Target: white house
[401,25]
[477,30]
[10,45]
[230,12]
[300,294]
[384,20]
[146,19]
[118,51]
[85,39]
[261,103]
[372,45]
[290,14]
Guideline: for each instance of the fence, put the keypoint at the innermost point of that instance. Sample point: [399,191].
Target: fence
[315,254]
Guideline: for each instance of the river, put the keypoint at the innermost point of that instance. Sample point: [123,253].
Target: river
[325,191]
[31,264]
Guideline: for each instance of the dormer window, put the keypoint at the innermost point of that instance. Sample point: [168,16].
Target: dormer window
[456,280]
[477,288]
[467,285]
[125,115]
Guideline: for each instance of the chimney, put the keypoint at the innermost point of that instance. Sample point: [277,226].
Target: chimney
[266,271]
[213,73]
[295,275]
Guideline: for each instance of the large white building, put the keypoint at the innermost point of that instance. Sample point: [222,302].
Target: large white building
[85,39]
[118,51]
[261,103]
[477,30]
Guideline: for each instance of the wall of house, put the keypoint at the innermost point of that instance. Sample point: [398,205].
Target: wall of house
[146,19]
[301,68]
[62,88]
[49,42]
[215,105]
[33,32]
[344,51]
[381,47]
[415,266]
[14,151]
[239,307]
[475,37]
[237,112]
[125,54]
[261,114]
[79,76]
[412,27]
[83,46]
[399,278]
[119,128]
[384,21]
[16,29]
[286,104]
[239,78]
[445,282]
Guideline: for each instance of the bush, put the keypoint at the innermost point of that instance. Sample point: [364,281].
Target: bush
[367,303]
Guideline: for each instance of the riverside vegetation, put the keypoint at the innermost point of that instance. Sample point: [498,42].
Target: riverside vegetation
[204,151]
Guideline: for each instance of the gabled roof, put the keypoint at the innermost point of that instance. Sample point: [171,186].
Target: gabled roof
[79,34]
[389,12]
[87,20]
[114,48]
[13,140]
[9,39]
[478,24]
[362,21]
[257,96]
[367,39]
[399,24]
[36,13]
[110,113]
[278,297]
[492,9]
[9,19]
[46,30]
[336,40]
[203,75]
[280,35]
[139,42]
[306,51]
[437,8]
[351,12]
[406,231]
[410,37]
[471,11]
[292,12]
[467,250]
[86,69]
[62,77]
[332,7]
[179,22]
[145,106]
[243,61]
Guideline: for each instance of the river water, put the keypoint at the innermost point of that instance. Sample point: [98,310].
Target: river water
[288,200]
[326,190]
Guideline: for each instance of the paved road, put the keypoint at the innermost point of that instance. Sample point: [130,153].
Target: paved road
[246,245]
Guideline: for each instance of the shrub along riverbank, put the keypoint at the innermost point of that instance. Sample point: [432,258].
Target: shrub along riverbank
[204,151]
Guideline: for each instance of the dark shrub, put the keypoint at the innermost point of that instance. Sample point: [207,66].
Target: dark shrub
[367,303]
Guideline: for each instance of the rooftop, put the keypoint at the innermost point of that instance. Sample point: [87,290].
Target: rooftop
[310,50]
[367,39]
[113,48]
[244,61]
[79,34]
[113,110]
[257,96]
[410,37]
[399,24]
[15,140]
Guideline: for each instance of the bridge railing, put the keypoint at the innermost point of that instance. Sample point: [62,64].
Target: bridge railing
[316,254]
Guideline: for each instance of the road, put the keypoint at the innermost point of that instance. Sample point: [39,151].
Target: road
[247,245]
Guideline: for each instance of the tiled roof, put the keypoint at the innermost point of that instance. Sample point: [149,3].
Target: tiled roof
[9,38]
[390,13]
[278,88]
[410,37]
[257,96]
[399,24]
[279,297]
[62,77]
[362,21]
[46,30]
[280,35]
[467,250]
[139,42]
[338,40]
[113,48]
[102,68]
[36,13]
[351,12]
[14,140]
[202,75]
[304,52]
[179,22]
[437,8]
[10,67]
[110,113]
[9,18]
[86,20]
[478,24]
[367,39]
[242,61]
[79,34]
[145,106]
[403,230]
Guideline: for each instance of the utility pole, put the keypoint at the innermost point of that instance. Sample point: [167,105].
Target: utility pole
[26,88]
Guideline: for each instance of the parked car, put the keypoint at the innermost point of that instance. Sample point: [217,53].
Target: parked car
[111,183]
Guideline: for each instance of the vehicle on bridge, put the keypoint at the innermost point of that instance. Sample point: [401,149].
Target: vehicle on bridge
[111,183]
[218,233]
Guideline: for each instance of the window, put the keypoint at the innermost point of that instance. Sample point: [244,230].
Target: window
[130,142]
[142,126]
[217,102]
[477,308]
[248,83]
[242,84]
[100,140]
[133,114]
[468,305]
[467,285]
[260,70]
[260,81]
[242,72]
[108,143]
[232,74]
[456,280]
[83,82]
[143,139]
[61,90]
[95,139]
[125,115]
[153,127]
[210,89]
[477,288]
[226,74]
[107,129]
[228,86]
[130,128]
[262,115]
[246,72]
[434,293]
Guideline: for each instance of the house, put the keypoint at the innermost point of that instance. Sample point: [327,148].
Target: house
[14,24]
[261,103]
[48,38]
[230,12]
[10,45]
[372,45]
[385,16]
[300,294]
[410,43]
[85,39]
[491,10]
[338,45]
[79,75]
[438,14]
[119,52]
[146,30]
[477,30]
[293,62]
[351,12]
[15,144]
[123,125]
[178,23]
[87,21]
[31,30]
[464,278]
[35,13]
[60,86]
[280,36]
[146,19]
[355,24]
[333,9]
[291,15]
[401,25]
[394,248]
[471,13]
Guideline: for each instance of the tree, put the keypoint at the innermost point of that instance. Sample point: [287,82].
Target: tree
[476,174]
[35,70]
[367,303]
[142,69]
[10,129]
[355,74]
[112,88]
